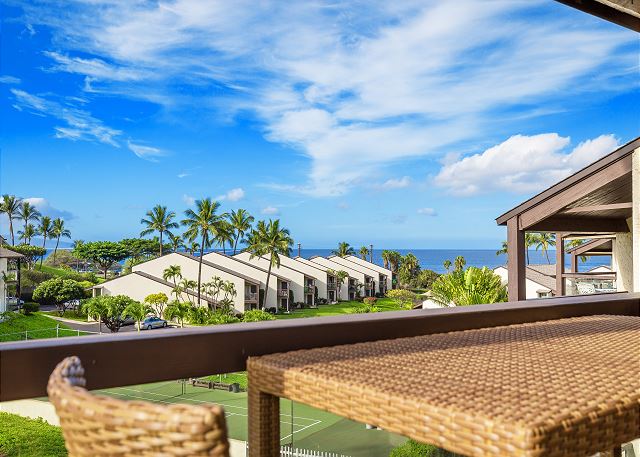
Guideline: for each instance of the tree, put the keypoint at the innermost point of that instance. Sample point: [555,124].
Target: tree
[364,252]
[344,249]
[27,213]
[10,206]
[241,222]
[107,309]
[202,223]
[176,242]
[193,247]
[140,249]
[570,244]
[402,298]
[409,268]
[45,229]
[177,310]
[268,239]
[157,302]
[31,253]
[340,276]
[159,220]
[28,233]
[395,259]
[458,263]
[468,287]
[446,264]
[103,253]
[187,285]
[504,249]
[385,258]
[257,315]
[224,235]
[544,241]
[173,273]
[425,279]
[137,311]
[59,292]
[59,231]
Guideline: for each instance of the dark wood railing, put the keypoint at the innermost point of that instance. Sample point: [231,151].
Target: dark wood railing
[136,358]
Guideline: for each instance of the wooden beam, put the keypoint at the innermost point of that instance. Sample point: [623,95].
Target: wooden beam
[575,192]
[561,289]
[598,208]
[574,263]
[618,12]
[516,266]
[576,225]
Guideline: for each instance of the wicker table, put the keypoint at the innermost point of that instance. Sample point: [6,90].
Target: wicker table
[566,387]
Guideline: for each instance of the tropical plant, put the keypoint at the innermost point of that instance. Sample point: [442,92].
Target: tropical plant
[159,220]
[446,264]
[10,206]
[364,252]
[224,235]
[27,233]
[409,268]
[59,231]
[186,286]
[458,263]
[107,309]
[340,276]
[45,229]
[402,298]
[173,273]
[177,310]
[241,222]
[395,259]
[58,292]
[570,244]
[199,315]
[213,287]
[222,317]
[529,240]
[365,308]
[425,279]
[31,253]
[176,242]
[504,249]
[27,212]
[344,249]
[193,247]
[468,287]
[385,258]
[136,310]
[256,315]
[543,241]
[157,302]
[268,239]
[229,290]
[202,223]
[102,253]
[140,249]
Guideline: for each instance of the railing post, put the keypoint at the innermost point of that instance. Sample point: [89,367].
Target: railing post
[26,334]
[57,330]
[78,332]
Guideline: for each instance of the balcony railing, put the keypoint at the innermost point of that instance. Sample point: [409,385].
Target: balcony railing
[251,296]
[332,285]
[309,289]
[283,292]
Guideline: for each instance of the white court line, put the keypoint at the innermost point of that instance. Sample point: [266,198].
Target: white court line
[304,427]
[204,401]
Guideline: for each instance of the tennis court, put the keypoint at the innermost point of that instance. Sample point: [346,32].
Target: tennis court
[300,425]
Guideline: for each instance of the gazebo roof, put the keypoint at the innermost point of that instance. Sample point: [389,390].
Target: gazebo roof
[9,254]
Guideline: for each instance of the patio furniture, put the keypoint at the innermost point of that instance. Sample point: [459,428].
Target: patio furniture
[565,387]
[96,425]
[585,288]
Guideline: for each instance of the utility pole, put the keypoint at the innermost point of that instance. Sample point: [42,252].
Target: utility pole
[299,249]
[371,253]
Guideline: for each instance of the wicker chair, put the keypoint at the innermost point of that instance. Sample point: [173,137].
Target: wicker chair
[96,425]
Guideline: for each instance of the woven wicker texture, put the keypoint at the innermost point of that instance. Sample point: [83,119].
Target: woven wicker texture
[567,387]
[96,426]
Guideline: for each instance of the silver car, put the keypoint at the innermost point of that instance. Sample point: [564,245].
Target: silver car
[152,322]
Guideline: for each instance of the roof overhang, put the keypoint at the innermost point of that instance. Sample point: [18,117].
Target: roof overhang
[601,246]
[622,12]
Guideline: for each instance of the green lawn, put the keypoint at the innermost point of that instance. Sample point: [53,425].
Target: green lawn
[37,326]
[73,315]
[20,436]
[343,307]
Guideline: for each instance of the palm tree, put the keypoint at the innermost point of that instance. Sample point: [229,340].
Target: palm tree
[26,234]
[177,310]
[269,240]
[11,207]
[543,241]
[344,249]
[159,220]
[394,260]
[45,229]
[174,273]
[569,244]
[459,262]
[385,258]
[529,240]
[241,222]
[446,264]
[504,249]
[468,287]
[203,223]
[28,212]
[193,247]
[59,231]
[176,242]
[364,252]
[138,311]
[224,235]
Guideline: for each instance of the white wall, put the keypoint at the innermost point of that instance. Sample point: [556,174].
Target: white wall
[189,268]
[622,261]
[320,275]
[339,293]
[344,290]
[366,270]
[296,277]
[372,266]
[250,271]
[532,287]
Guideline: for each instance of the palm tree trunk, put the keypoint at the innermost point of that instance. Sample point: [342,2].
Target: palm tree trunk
[527,254]
[160,243]
[44,241]
[266,287]
[56,250]
[235,243]
[546,253]
[13,243]
[200,267]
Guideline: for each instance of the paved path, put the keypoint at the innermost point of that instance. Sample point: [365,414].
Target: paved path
[93,326]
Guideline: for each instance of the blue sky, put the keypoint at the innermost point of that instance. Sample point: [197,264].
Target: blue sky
[405,125]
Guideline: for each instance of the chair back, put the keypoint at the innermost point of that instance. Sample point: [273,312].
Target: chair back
[98,425]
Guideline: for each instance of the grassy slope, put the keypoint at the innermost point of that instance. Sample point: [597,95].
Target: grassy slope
[34,323]
[344,307]
[20,436]
[67,315]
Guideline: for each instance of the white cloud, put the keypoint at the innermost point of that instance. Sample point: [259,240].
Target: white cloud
[183,174]
[427,212]
[232,195]
[144,152]
[352,86]
[270,210]
[45,208]
[188,199]
[8,79]
[394,183]
[521,164]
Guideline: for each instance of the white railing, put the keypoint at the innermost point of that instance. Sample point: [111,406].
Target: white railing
[33,333]
[288,451]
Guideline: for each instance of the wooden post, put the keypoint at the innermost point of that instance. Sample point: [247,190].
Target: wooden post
[516,266]
[264,421]
[574,263]
[561,289]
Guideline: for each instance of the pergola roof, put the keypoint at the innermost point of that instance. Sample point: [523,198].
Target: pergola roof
[9,254]
[596,199]
[601,246]
[622,12]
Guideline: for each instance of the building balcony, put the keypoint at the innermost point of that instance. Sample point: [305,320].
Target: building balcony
[332,285]
[283,293]
[309,289]
[251,296]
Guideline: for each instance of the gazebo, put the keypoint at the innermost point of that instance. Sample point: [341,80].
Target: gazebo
[599,202]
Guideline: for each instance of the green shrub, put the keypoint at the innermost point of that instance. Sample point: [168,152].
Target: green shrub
[222,318]
[198,315]
[256,315]
[364,308]
[30,279]
[20,436]
[29,308]
[58,291]
[402,298]
[414,449]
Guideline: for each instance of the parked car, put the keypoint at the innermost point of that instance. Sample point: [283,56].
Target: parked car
[128,321]
[152,322]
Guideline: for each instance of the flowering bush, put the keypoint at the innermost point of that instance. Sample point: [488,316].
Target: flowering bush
[369,301]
